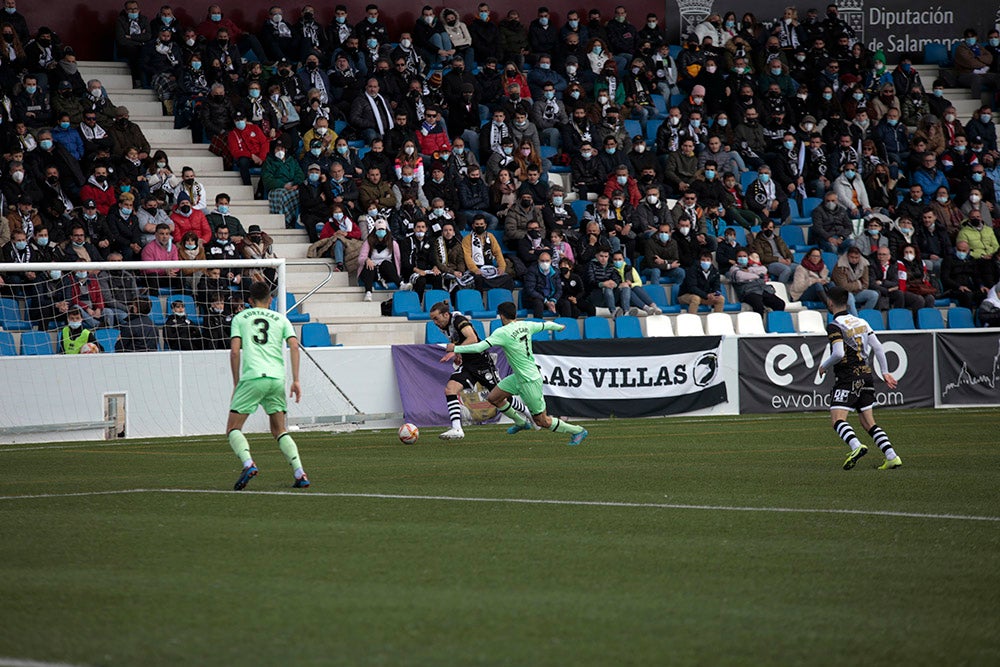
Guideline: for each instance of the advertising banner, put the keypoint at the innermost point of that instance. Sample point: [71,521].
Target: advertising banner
[781,373]
[631,378]
[969,368]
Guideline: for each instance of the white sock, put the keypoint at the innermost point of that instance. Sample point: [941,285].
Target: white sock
[299,473]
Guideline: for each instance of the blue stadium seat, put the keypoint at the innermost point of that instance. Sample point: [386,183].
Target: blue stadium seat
[632,127]
[431,297]
[873,318]
[741,233]
[547,152]
[746,178]
[830,259]
[660,102]
[652,127]
[294,316]
[495,324]
[315,334]
[809,205]
[793,235]
[156,311]
[433,335]
[494,298]
[900,319]
[107,339]
[7,347]
[596,328]
[468,301]
[404,303]
[960,318]
[936,54]
[780,322]
[627,326]
[928,318]
[579,207]
[37,343]
[480,329]
[571,332]
[659,296]
[10,316]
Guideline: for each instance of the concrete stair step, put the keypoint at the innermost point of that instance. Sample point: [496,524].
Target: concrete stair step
[336,311]
[252,207]
[170,136]
[302,282]
[96,67]
[400,337]
[290,250]
[220,181]
[267,221]
[142,109]
[111,80]
[208,164]
[128,96]
[282,235]
[154,122]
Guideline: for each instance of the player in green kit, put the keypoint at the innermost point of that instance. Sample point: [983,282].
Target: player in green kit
[257,358]
[515,339]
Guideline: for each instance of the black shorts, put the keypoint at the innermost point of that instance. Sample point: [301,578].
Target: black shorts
[855,395]
[468,378]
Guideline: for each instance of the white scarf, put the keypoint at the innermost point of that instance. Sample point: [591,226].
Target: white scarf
[382,129]
[283,30]
[317,82]
[92,133]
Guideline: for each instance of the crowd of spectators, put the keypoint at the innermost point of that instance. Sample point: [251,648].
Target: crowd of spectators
[422,157]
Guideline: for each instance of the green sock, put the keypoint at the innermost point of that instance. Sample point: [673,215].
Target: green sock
[513,414]
[240,446]
[560,426]
[290,450]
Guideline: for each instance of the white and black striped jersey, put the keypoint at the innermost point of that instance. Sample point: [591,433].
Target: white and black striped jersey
[855,334]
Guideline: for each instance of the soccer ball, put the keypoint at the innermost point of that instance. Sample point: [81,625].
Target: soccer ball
[408,433]
[90,348]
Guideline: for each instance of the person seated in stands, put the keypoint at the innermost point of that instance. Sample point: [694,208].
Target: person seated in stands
[281,176]
[149,216]
[138,333]
[917,280]
[84,294]
[750,280]
[375,191]
[961,278]
[126,134]
[221,216]
[983,245]
[602,281]
[543,288]
[852,274]
[74,336]
[217,324]
[989,310]
[315,200]
[258,245]
[701,286]
[247,144]
[190,249]
[573,302]
[187,219]
[379,259]
[179,332]
[161,249]
[210,283]
[484,258]
[631,293]
[774,253]
[419,261]
[832,228]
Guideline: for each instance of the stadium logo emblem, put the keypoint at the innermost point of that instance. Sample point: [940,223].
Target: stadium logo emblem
[705,369]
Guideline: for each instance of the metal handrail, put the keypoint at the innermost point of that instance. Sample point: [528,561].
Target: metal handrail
[310,262]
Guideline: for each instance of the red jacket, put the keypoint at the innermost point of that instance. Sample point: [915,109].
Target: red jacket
[93,295]
[332,227]
[208,29]
[196,222]
[435,140]
[105,199]
[248,142]
[631,189]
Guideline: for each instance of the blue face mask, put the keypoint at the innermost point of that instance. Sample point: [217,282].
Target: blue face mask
[938,93]
[906,67]
[373,19]
[255,93]
[765,178]
[994,41]
[10,10]
[827,96]
[372,43]
[850,173]
[611,150]
[196,65]
[961,255]
[31,90]
[126,212]
[20,245]
[167,20]
[970,41]
[696,123]
[241,124]
[43,241]
[132,16]
[977,177]
[557,201]
[619,263]
[543,20]
[597,49]
[314,178]
[550,94]
[341,19]
[789,145]
[709,174]
[873,232]
[223,209]
[64,126]
[126,188]
[893,122]
[484,16]
[574,24]
[723,122]
[705,266]
[45,144]
[215,17]
[743,261]
[380,233]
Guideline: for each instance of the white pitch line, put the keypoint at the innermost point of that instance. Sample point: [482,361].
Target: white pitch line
[15,662]
[524,501]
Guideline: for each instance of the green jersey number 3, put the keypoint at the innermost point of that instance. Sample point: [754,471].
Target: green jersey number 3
[262,326]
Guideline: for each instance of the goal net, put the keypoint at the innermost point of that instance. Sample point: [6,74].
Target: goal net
[123,349]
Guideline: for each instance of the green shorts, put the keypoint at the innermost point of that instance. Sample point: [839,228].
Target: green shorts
[530,393]
[268,392]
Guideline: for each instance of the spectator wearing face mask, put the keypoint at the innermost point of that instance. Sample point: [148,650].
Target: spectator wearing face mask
[831,228]
[749,277]
[179,331]
[961,277]
[186,219]
[982,242]
[247,144]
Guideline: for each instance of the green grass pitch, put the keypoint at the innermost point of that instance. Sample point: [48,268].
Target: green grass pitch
[660,570]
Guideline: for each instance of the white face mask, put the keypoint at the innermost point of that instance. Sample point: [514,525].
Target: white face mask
[909,257]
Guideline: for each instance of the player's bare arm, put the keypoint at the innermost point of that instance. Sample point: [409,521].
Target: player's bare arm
[295,354]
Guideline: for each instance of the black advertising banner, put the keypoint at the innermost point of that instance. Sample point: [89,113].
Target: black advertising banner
[631,378]
[896,27]
[969,368]
[781,373]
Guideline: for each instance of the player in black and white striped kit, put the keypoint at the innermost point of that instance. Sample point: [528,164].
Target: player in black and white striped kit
[852,342]
[474,368]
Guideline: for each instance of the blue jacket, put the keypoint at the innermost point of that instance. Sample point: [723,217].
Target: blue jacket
[930,182]
[70,140]
[545,286]
[891,139]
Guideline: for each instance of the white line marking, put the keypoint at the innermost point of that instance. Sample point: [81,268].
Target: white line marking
[523,501]
[14,662]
